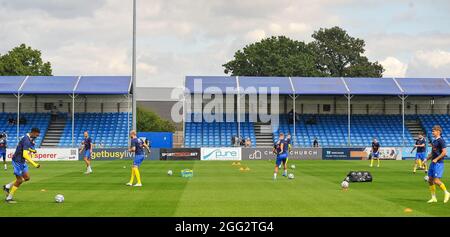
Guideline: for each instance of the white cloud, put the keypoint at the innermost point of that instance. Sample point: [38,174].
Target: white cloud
[275,28]
[434,59]
[434,63]
[255,35]
[56,8]
[148,69]
[393,67]
[297,27]
[95,60]
[179,38]
[405,45]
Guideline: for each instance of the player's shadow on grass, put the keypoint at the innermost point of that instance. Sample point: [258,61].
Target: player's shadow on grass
[402,200]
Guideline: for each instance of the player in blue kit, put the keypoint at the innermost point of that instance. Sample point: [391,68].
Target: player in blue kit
[137,146]
[3,146]
[86,151]
[420,159]
[23,154]
[281,148]
[375,152]
[436,170]
[288,141]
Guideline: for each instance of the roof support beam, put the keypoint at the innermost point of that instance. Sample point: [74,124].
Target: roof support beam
[445,79]
[18,106]
[398,85]
[238,106]
[349,124]
[403,98]
[76,85]
[292,85]
[345,84]
[294,97]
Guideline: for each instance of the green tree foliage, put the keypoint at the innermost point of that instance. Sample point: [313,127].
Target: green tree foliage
[149,121]
[340,55]
[332,53]
[275,56]
[23,60]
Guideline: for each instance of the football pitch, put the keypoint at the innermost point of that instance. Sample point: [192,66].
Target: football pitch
[220,189]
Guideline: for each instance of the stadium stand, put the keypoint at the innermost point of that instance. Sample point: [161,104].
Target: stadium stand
[331,130]
[429,120]
[215,134]
[39,120]
[105,129]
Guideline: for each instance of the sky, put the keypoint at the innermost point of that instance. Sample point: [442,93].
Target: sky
[176,38]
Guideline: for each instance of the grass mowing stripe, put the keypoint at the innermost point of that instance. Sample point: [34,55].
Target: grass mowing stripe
[220,189]
[360,202]
[382,188]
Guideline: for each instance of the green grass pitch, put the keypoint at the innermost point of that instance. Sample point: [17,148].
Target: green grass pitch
[220,189]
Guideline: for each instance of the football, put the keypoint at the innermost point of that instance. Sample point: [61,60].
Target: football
[344,184]
[293,167]
[59,198]
[170,172]
[426,178]
[291,176]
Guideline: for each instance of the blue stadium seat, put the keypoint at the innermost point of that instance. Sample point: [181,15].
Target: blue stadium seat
[215,134]
[331,130]
[106,129]
[39,120]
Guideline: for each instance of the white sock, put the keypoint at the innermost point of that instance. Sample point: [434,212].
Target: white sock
[433,196]
[9,185]
[9,197]
[274,175]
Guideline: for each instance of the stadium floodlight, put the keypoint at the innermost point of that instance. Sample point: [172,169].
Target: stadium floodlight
[134,66]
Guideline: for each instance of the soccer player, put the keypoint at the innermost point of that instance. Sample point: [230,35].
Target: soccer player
[436,170]
[281,150]
[137,146]
[420,153]
[3,146]
[87,146]
[288,142]
[23,154]
[375,152]
[316,142]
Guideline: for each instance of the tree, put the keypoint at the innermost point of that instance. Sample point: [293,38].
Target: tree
[149,121]
[23,60]
[332,53]
[340,55]
[274,56]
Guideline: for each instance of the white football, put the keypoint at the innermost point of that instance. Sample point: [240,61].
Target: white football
[59,198]
[344,184]
[293,167]
[291,176]
[426,178]
[170,172]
